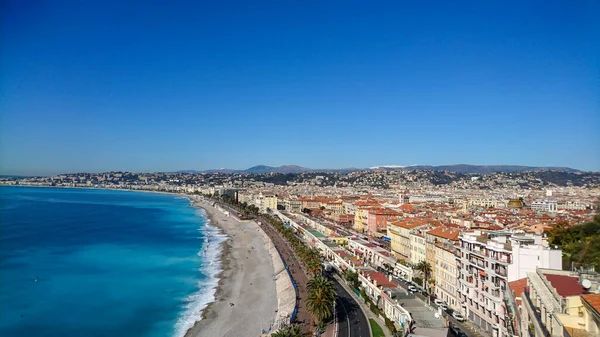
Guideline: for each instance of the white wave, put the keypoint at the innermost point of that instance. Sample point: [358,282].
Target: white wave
[211,267]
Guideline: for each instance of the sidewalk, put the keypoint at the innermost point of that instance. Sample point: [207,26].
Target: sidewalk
[364,307]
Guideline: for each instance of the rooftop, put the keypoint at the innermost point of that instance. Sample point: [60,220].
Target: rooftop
[593,300]
[565,285]
[518,286]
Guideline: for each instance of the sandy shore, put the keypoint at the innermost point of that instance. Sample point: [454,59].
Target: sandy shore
[246,298]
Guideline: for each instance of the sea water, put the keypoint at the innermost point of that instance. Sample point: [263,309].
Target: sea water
[90,262]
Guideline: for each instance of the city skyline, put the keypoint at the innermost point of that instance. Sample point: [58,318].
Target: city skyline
[152,87]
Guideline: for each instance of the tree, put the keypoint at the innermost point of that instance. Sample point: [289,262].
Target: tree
[321,298]
[291,330]
[425,269]
[352,278]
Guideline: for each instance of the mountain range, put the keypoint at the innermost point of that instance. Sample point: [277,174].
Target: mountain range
[460,168]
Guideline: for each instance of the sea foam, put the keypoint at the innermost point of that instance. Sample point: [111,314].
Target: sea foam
[207,288]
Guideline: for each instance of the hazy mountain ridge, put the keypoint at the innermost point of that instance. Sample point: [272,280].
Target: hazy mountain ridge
[459,168]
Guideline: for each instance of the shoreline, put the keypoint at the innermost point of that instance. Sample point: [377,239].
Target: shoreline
[244,284]
[228,308]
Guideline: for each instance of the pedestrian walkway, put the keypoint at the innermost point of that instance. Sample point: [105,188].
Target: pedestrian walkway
[365,308]
[471,329]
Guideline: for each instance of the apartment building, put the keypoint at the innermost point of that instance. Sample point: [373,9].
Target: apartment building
[418,246]
[488,261]
[483,279]
[438,235]
[292,204]
[445,276]
[378,218]
[484,202]
[400,241]
[266,202]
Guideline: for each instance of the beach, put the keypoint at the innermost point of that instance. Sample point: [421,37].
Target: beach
[246,298]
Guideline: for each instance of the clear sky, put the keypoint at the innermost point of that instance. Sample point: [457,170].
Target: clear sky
[170,85]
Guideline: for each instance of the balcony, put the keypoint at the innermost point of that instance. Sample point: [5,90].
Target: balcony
[539,328]
[480,252]
[501,272]
[501,259]
[477,263]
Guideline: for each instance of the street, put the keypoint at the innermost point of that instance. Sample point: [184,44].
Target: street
[351,320]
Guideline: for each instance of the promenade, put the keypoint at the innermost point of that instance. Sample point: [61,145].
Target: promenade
[303,317]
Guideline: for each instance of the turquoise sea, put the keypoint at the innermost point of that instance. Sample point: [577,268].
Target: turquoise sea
[89,262]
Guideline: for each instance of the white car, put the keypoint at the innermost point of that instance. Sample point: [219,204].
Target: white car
[458,316]
[438,302]
[412,289]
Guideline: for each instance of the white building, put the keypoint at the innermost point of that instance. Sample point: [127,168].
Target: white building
[488,261]
[544,206]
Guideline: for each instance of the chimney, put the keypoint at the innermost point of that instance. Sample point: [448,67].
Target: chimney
[375,283]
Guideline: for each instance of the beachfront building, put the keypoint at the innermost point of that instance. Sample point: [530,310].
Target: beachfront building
[266,202]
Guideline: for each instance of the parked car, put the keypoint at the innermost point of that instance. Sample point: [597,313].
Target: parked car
[455,329]
[444,307]
[412,289]
[438,302]
[458,316]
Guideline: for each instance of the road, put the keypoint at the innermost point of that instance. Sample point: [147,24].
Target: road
[351,320]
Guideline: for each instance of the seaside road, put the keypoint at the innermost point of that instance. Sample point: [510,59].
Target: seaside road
[351,320]
[303,317]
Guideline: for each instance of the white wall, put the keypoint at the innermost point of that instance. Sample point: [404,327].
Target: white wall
[527,258]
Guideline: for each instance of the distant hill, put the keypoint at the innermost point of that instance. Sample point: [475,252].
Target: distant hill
[485,169]
[460,168]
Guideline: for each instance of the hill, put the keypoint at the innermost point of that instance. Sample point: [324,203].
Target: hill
[459,168]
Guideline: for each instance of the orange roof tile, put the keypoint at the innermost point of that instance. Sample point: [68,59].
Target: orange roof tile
[518,286]
[593,300]
[444,232]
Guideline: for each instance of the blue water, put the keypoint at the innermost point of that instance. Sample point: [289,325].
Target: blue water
[84,262]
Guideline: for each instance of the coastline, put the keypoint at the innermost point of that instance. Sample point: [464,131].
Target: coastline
[244,302]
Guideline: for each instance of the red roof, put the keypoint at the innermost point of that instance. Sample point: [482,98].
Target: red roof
[565,285]
[518,286]
[381,279]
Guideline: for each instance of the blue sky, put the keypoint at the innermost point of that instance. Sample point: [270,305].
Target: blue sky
[170,85]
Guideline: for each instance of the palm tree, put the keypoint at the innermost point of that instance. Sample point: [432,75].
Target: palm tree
[321,297]
[314,267]
[291,330]
[425,268]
